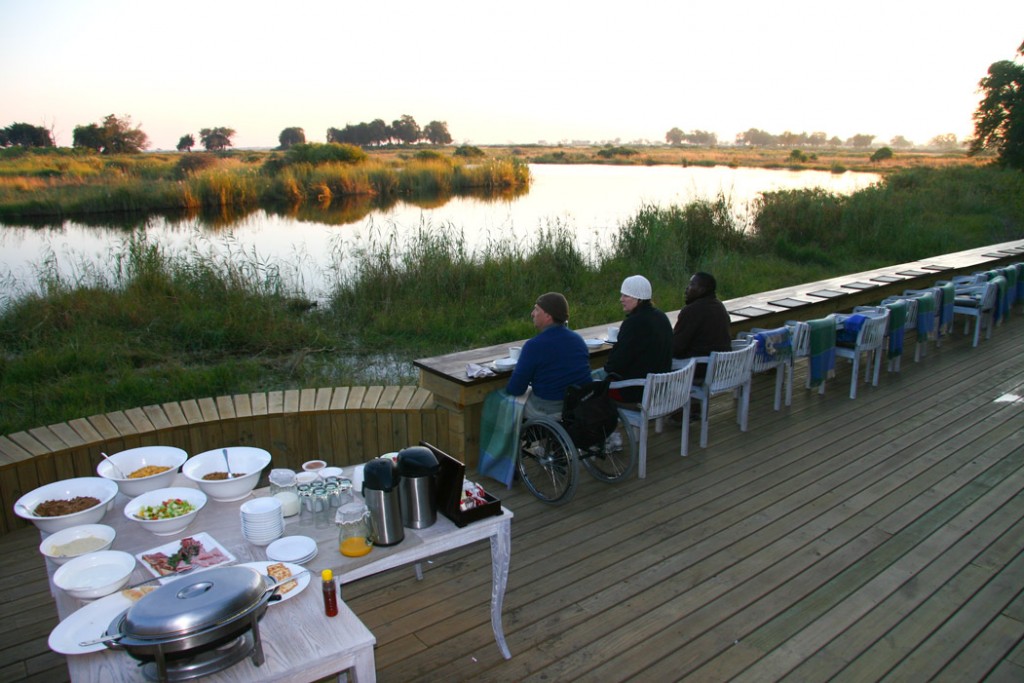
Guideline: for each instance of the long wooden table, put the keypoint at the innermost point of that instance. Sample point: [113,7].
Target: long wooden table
[299,642]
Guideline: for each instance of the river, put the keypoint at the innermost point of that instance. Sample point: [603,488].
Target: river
[590,201]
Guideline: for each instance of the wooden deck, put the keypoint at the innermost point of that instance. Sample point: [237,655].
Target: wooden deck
[873,539]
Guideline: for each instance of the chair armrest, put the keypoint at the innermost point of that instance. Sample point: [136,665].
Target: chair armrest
[639,382]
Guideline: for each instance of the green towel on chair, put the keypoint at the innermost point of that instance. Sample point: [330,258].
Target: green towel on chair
[897,325]
[822,349]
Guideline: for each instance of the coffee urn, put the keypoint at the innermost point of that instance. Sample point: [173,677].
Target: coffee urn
[380,491]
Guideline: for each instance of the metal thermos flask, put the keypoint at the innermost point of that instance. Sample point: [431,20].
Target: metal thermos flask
[380,492]
[418,466]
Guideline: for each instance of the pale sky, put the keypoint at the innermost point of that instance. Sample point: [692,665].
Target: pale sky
[512,72]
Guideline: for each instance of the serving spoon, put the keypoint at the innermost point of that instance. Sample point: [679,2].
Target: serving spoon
[112,464]
[227,464]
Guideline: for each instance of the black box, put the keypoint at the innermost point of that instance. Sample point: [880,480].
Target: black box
[449,491]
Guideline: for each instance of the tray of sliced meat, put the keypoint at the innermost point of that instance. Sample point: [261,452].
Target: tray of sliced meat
[195,553]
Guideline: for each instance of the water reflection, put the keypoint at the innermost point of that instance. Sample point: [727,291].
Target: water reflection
[311,243]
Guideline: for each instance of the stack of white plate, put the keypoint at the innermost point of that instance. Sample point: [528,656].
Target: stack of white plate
[262,520]
[294,549]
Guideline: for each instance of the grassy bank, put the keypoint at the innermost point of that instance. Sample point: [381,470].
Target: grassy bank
[155,327]
[66,182]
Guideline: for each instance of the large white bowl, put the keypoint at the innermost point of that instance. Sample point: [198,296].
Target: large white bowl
[94,575]
[74,533]
[172,525]
[244,460]
[136,458]
[97,487]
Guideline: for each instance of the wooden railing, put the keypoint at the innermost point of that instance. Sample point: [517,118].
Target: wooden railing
[342,425]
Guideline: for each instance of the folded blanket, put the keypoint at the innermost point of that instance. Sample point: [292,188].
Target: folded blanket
[499,436]
[897,325]
[925,315]
[774,345]
[822,349]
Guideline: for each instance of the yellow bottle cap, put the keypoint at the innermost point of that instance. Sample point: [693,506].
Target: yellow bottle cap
[327,575]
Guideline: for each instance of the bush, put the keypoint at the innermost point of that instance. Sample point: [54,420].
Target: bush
[193,163]
[881,154]
[469,151]
[332,152]
[610,152]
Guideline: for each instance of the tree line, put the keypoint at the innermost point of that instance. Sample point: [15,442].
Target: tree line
[117,135]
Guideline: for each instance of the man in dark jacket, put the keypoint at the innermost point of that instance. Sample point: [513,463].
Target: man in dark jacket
[702,325]
[644,344]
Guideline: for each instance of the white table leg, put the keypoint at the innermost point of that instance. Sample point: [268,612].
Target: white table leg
[501,552]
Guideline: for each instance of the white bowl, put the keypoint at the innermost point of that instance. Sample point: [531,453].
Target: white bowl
[171,525]
[244,460]
[136,458]
[331,472]
[94,575]
[102,489]
[594,343]
[102,532]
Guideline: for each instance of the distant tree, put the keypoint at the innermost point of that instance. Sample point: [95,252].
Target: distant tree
[436,133]
[860,140]
[25,135]
[379,132]
[817,139]
[834,141]
[945,141]
[701,137]
[291,136]
[89,137]
[999,119]
[186,143]
[406,130]
[881,154]
[114,136]
[756,138]
[798,156]
[216,139]
[674,137]
[900,142]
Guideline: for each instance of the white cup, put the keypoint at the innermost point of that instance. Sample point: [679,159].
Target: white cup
[613,334]
[514,351]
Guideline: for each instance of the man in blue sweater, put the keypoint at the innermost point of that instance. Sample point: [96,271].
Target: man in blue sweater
[551,361]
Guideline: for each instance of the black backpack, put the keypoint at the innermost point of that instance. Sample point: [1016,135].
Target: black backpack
[588,413]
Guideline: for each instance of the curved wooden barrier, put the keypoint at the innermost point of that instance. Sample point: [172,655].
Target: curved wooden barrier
[342,425]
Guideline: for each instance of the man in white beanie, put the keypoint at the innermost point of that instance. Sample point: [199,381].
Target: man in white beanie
[645,339]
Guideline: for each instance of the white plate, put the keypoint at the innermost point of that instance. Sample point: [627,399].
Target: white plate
[292,549]
[88,623]
[606,340]
[594,343]
[204,538]
[303,580]
[505,363]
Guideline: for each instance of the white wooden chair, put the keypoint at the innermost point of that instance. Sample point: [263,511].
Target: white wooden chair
[869,341]
[664,394]
[977,301]
[928,317]
[775,350]
[728,371]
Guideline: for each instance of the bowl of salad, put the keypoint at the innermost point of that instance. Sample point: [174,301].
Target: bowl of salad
[166,512]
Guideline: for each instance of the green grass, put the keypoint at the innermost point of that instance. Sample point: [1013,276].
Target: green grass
[154,327]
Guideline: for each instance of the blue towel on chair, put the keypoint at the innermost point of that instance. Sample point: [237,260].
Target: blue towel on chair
[925,315]
[822,349]
[851,328]
[897,325]
[499,432]
[774,345]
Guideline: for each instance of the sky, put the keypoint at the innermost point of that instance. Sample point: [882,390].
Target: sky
[503,73]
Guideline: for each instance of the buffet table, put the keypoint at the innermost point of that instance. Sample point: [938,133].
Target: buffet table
[296,644]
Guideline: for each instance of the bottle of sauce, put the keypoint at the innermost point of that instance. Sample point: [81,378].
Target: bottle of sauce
[330,593]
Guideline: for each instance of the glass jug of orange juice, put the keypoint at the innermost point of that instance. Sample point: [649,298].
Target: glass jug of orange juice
[354,533]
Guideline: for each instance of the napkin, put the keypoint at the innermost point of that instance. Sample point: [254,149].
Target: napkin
[474,370]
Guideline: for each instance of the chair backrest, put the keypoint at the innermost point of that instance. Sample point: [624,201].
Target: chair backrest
[728,370]
[872,332]
[801,338]
[666,392]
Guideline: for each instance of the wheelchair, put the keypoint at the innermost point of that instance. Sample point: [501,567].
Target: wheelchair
[548,461]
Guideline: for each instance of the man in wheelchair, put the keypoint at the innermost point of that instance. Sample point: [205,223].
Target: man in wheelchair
[551,361]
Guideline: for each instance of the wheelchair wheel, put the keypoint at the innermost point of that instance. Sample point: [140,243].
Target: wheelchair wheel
[614,459]
[547,461]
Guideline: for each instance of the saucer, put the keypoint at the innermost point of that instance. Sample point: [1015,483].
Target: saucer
[505,363]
